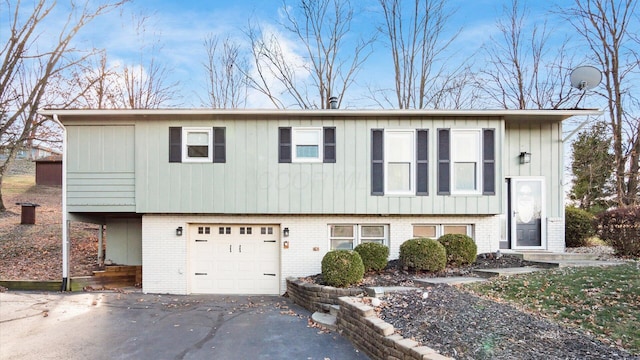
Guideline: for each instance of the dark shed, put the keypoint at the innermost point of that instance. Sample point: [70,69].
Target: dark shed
[49,170]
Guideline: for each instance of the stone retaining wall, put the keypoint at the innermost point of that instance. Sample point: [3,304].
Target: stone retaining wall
[359,322]
[314,297]
[372,335]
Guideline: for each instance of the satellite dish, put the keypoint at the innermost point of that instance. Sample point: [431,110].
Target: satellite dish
[585,77]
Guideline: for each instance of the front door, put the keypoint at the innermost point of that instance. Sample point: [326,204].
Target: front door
[527,213]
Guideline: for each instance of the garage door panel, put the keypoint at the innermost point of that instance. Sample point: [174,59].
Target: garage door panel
[237,259]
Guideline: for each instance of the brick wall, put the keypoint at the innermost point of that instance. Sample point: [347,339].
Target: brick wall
[165,255]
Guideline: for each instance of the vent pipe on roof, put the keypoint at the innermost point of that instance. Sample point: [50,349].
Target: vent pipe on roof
[333,102]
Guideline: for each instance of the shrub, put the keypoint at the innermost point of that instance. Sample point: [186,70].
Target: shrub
[374,256]
[423,254]
[461,249]
[578,227]
[341,268]
[620,228]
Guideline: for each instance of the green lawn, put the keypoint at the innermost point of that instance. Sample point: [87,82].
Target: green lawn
[604,301]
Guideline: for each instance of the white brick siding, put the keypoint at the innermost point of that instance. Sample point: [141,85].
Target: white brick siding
[165,255]
[555,235]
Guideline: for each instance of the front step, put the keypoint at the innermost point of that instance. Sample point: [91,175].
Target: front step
[324,320]
[544,256]
[489,273]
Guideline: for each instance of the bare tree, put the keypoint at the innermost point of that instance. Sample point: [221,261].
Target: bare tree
[330,60]
[144,85]
[522,74]
[226,74]
[424,76]
[606,26]
[27,66]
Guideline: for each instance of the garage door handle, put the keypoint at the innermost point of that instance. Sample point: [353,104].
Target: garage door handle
[269,241]
[240,248]
[267,274]
[201,273]
[229,248]
[201,240]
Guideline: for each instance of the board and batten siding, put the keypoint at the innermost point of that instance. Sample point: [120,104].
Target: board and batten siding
[544,141]
[101,168]
[252,181]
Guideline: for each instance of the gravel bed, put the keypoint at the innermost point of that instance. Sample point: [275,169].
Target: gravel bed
[465,326]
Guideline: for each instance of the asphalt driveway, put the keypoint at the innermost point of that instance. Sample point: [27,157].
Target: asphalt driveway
[106,325]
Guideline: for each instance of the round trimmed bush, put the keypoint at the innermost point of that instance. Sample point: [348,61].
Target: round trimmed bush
[341,268]
[423,254]
[461,249]
[374,255]
[578,227]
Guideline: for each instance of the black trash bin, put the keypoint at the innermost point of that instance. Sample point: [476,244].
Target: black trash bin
[28,214]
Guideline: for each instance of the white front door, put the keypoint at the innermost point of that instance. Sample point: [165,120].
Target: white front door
[234,259]
[528,218]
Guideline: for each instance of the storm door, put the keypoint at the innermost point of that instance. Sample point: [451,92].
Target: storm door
[527,213]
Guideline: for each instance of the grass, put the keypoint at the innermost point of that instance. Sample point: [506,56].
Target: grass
[604,301]
[17,184]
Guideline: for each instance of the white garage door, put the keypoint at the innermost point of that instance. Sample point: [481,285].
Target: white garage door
[234,259]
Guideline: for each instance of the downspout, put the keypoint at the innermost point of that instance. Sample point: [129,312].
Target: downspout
[65,221]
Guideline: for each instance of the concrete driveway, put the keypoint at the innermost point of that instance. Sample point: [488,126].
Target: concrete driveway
[103,325]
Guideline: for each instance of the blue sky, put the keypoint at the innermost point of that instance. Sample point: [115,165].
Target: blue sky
[179,29]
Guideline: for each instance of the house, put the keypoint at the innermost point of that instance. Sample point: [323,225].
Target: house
[235,201]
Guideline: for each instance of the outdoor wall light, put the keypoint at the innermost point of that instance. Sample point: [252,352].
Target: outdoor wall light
[285,232]
[525,157]
[179,231]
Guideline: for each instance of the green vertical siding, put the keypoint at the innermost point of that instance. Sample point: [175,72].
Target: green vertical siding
[252,181]
[543,141]
[100,168]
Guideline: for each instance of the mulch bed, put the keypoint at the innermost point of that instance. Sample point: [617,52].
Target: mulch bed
[464,326]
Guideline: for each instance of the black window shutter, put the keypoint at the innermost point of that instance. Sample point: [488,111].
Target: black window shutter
[444,159]
[219,145]
[422,162]
[488,162]
[284,145]
[175,144]
[377,162]
[329,145]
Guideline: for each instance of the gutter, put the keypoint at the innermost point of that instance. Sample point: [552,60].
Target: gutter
[65,221]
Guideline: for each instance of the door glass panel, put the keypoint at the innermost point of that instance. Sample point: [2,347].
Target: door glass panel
[527,212]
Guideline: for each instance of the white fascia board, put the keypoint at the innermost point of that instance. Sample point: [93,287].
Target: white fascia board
[515,115]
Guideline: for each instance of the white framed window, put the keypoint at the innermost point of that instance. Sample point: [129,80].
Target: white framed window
[307,144]
[466,152]
[399,162]
[348,236]
[434,231]
[196,144]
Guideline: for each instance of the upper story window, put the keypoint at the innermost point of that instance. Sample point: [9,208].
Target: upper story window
[399,162]
[466,161]
[307,144]
[197,144]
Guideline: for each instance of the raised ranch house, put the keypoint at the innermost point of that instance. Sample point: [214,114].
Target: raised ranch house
[235,201]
